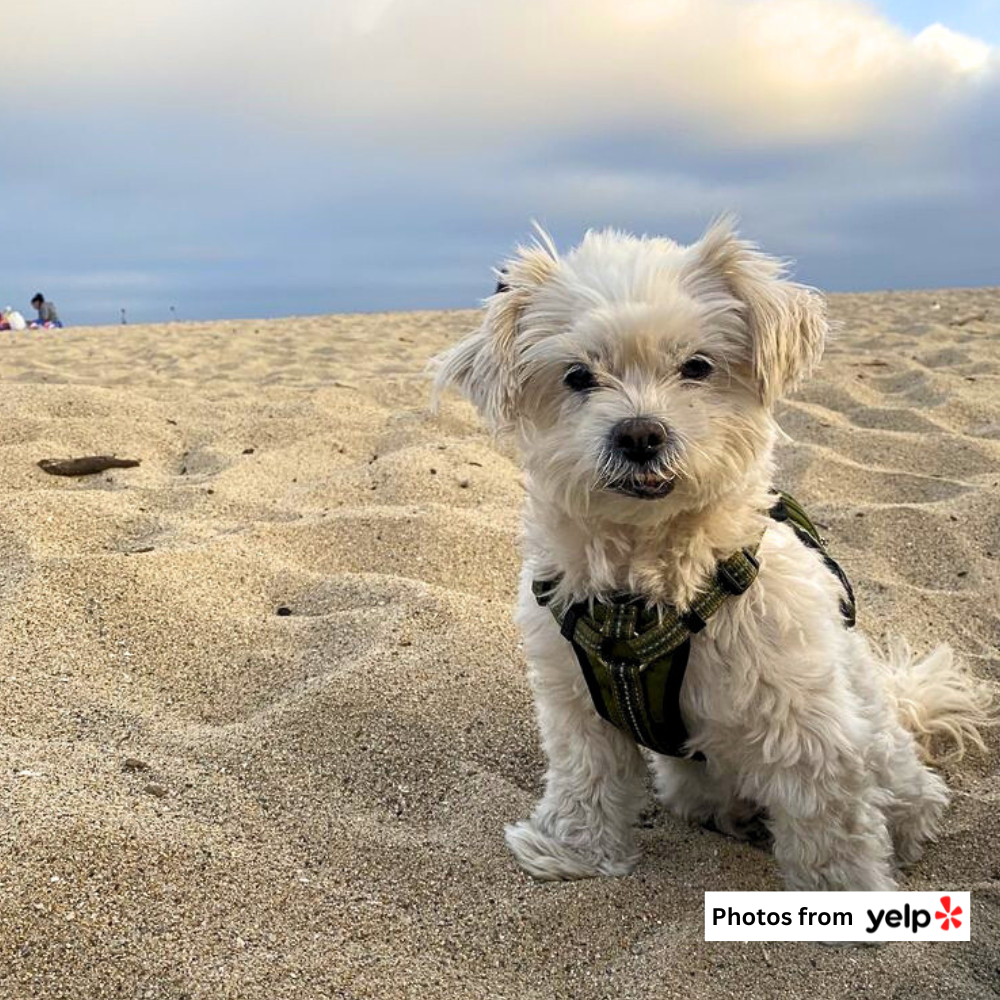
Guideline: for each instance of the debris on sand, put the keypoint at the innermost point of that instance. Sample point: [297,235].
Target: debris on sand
[89,465]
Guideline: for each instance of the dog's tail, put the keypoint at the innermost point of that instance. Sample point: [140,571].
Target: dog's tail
[938,701]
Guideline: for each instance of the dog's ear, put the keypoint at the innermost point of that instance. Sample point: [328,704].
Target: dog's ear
[786,321]
[483,367]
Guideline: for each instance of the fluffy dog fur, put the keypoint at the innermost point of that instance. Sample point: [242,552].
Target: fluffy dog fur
[801,722]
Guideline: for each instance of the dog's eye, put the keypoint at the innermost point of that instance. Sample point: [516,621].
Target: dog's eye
[580,378]
[698,367]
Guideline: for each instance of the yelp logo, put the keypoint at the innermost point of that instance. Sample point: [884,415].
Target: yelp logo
[914,919]
[947,915]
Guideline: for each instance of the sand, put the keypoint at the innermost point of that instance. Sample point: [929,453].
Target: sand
[205,797]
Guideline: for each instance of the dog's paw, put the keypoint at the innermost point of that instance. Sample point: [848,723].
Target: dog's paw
[549,860]
[920,825]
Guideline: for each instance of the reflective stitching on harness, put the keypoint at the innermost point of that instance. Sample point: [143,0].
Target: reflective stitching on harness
[628,697]
[634,658]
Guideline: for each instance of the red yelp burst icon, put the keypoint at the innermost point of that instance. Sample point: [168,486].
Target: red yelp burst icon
[948,916]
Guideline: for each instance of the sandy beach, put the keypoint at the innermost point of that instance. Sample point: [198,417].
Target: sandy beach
[264,710]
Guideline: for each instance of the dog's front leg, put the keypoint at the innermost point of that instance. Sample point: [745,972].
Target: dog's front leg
[583,825]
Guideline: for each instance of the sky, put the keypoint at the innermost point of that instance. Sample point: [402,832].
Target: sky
[253,158]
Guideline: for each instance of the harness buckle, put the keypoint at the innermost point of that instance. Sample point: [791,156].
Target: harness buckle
[543,589]
[730,583]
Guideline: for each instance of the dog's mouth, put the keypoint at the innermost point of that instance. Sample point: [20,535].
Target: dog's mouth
[644,485]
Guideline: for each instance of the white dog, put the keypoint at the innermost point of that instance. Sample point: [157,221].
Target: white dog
[639,377]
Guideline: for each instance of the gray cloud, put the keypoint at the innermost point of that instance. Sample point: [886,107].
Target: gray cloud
[231,161]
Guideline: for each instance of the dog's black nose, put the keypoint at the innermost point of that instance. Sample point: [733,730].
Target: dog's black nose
[639,439]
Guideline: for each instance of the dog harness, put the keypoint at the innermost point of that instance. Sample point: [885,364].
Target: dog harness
[634,657]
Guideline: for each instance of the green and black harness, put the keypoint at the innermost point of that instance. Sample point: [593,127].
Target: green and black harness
[634,657]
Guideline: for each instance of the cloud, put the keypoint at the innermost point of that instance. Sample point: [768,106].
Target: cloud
[426,72]
[957,51]
[246,157]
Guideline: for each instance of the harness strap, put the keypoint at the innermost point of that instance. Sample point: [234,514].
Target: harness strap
[590,625]
[634,658]
[788,510]
[610,637]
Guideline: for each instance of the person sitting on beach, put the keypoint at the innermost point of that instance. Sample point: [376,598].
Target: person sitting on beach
[47,315]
